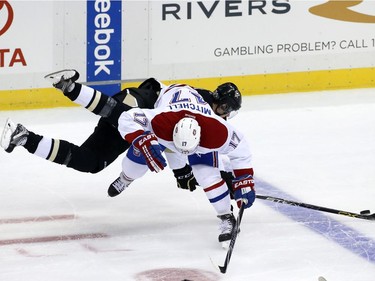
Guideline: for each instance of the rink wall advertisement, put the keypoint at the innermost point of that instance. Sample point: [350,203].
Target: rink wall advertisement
[104,44]
[263,46]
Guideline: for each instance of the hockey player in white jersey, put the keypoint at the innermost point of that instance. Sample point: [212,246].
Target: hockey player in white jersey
[182,122]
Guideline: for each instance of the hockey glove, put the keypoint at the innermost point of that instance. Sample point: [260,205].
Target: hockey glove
[244,192]
[228,178]
[149,147]
[185,178]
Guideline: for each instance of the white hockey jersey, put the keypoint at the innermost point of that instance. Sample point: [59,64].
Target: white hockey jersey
[176,102]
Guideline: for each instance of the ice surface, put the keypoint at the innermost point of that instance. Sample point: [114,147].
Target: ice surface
[318,148]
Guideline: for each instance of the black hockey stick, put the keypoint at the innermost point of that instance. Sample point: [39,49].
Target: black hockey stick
[362,215]
[223,269]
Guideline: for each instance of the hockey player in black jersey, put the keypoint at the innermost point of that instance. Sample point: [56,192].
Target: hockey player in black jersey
[105,144]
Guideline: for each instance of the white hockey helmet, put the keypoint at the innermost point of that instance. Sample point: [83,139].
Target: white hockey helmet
[187,135]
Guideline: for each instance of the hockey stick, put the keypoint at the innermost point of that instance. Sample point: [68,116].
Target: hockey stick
[362,215]
[223,269]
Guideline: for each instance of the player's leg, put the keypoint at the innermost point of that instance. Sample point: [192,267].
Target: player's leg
[103,147]
[97,152]
[206,171]
[93,100]
[133,167]
[131,171]
[54,150]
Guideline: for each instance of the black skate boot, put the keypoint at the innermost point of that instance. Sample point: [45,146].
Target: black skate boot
[63,79]
[119,185]
[226,227]
[13,135]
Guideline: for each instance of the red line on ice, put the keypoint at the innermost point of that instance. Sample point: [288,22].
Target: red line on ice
[37,219]
[52,238]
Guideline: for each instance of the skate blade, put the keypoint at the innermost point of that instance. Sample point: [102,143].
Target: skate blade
[55,77]
[7,134]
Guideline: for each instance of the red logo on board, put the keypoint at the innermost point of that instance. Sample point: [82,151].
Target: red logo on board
[4,5]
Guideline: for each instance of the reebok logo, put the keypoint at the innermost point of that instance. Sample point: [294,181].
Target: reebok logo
[104,43]
[102,37]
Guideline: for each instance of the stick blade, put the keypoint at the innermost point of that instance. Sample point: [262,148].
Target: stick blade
[223,269]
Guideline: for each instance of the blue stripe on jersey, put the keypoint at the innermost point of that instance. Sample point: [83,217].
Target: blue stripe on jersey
[209,159]
[135,156]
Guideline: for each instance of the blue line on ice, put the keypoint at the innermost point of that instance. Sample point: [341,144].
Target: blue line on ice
[322,224]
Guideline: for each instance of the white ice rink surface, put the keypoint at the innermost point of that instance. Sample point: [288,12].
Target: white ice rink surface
[318,148]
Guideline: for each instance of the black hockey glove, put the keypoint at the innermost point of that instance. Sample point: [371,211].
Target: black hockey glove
[228,177]
[185,178]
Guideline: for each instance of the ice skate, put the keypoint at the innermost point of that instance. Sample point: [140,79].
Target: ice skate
[13,135]
[227,224]
[119,185]
[63,79]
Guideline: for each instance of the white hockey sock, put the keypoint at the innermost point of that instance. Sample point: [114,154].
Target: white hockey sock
[219,197]
[48,148]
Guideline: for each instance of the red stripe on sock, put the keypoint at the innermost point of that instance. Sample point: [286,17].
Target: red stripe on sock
[220,183]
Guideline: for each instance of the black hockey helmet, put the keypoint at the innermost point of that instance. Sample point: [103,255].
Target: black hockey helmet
[228,97]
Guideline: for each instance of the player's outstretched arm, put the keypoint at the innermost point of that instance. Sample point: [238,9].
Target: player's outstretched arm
[148,145]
